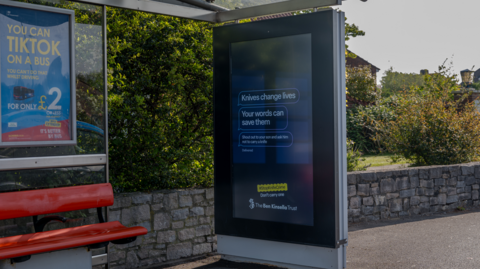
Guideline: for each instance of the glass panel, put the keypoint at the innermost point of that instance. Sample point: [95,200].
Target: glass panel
[49,178]
[89,66]
[232,4]
[90,85]
[20,226]
[22,180]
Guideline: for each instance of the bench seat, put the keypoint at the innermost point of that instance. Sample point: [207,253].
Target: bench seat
[35,243]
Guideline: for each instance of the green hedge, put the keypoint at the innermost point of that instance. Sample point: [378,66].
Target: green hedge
[160,101]
[362,123]
[430,127]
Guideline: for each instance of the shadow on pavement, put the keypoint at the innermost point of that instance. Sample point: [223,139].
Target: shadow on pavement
[222,264]
[215,262]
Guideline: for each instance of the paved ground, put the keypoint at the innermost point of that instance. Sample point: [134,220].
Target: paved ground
[214,262]
[438,241]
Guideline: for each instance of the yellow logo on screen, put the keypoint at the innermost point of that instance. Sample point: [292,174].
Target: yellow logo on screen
[272,187]
[53,123]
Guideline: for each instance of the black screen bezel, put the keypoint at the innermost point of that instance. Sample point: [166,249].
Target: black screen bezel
[325,231]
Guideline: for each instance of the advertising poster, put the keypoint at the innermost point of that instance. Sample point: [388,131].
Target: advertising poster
[272,129]
[35,63]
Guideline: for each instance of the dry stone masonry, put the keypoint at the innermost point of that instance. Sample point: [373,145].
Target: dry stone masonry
[180,224]
[423,190]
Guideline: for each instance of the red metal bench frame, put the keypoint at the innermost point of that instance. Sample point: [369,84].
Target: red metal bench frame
[48,201]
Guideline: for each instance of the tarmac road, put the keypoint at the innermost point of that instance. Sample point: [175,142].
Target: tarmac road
[439,241]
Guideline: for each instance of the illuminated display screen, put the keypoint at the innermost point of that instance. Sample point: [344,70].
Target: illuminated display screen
[271,115]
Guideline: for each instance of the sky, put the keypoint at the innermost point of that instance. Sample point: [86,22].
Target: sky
[410,35]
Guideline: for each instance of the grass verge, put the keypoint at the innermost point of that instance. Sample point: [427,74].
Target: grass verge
[380,160]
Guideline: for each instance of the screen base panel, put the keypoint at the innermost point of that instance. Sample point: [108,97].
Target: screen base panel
[286,255]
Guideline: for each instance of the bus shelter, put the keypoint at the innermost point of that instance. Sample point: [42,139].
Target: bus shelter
[40,158]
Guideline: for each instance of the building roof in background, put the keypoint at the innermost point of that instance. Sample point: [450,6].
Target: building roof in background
[358,61]
[476,75]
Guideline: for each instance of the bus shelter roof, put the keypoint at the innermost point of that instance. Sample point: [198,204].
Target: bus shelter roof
[220,11]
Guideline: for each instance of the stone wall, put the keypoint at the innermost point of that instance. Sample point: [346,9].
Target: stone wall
[423,190]
[180,224]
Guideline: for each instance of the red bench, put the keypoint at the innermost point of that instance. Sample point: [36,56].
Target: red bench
[47,201]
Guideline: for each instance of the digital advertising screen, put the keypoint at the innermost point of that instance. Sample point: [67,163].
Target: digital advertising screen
[271,116]
[35,76]
[279,135]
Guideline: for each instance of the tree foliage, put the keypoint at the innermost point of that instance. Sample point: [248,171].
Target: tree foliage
[361,84]
[476,86]
[354,157]
[160,101]
[396,82]
[362,124]
[351,30]
[430,128]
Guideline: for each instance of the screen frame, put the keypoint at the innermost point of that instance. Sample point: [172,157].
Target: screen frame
[73,102]
[327,126]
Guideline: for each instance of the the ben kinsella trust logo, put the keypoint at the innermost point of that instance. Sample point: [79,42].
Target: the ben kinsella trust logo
[252,204]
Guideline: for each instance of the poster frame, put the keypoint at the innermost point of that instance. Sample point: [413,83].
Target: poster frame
[73,114]
[334,160]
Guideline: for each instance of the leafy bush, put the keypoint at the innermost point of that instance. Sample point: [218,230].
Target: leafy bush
[430,128]
[361,124]
[354,157]
[397,82]
[160,101]
[361,84]
[476,85]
